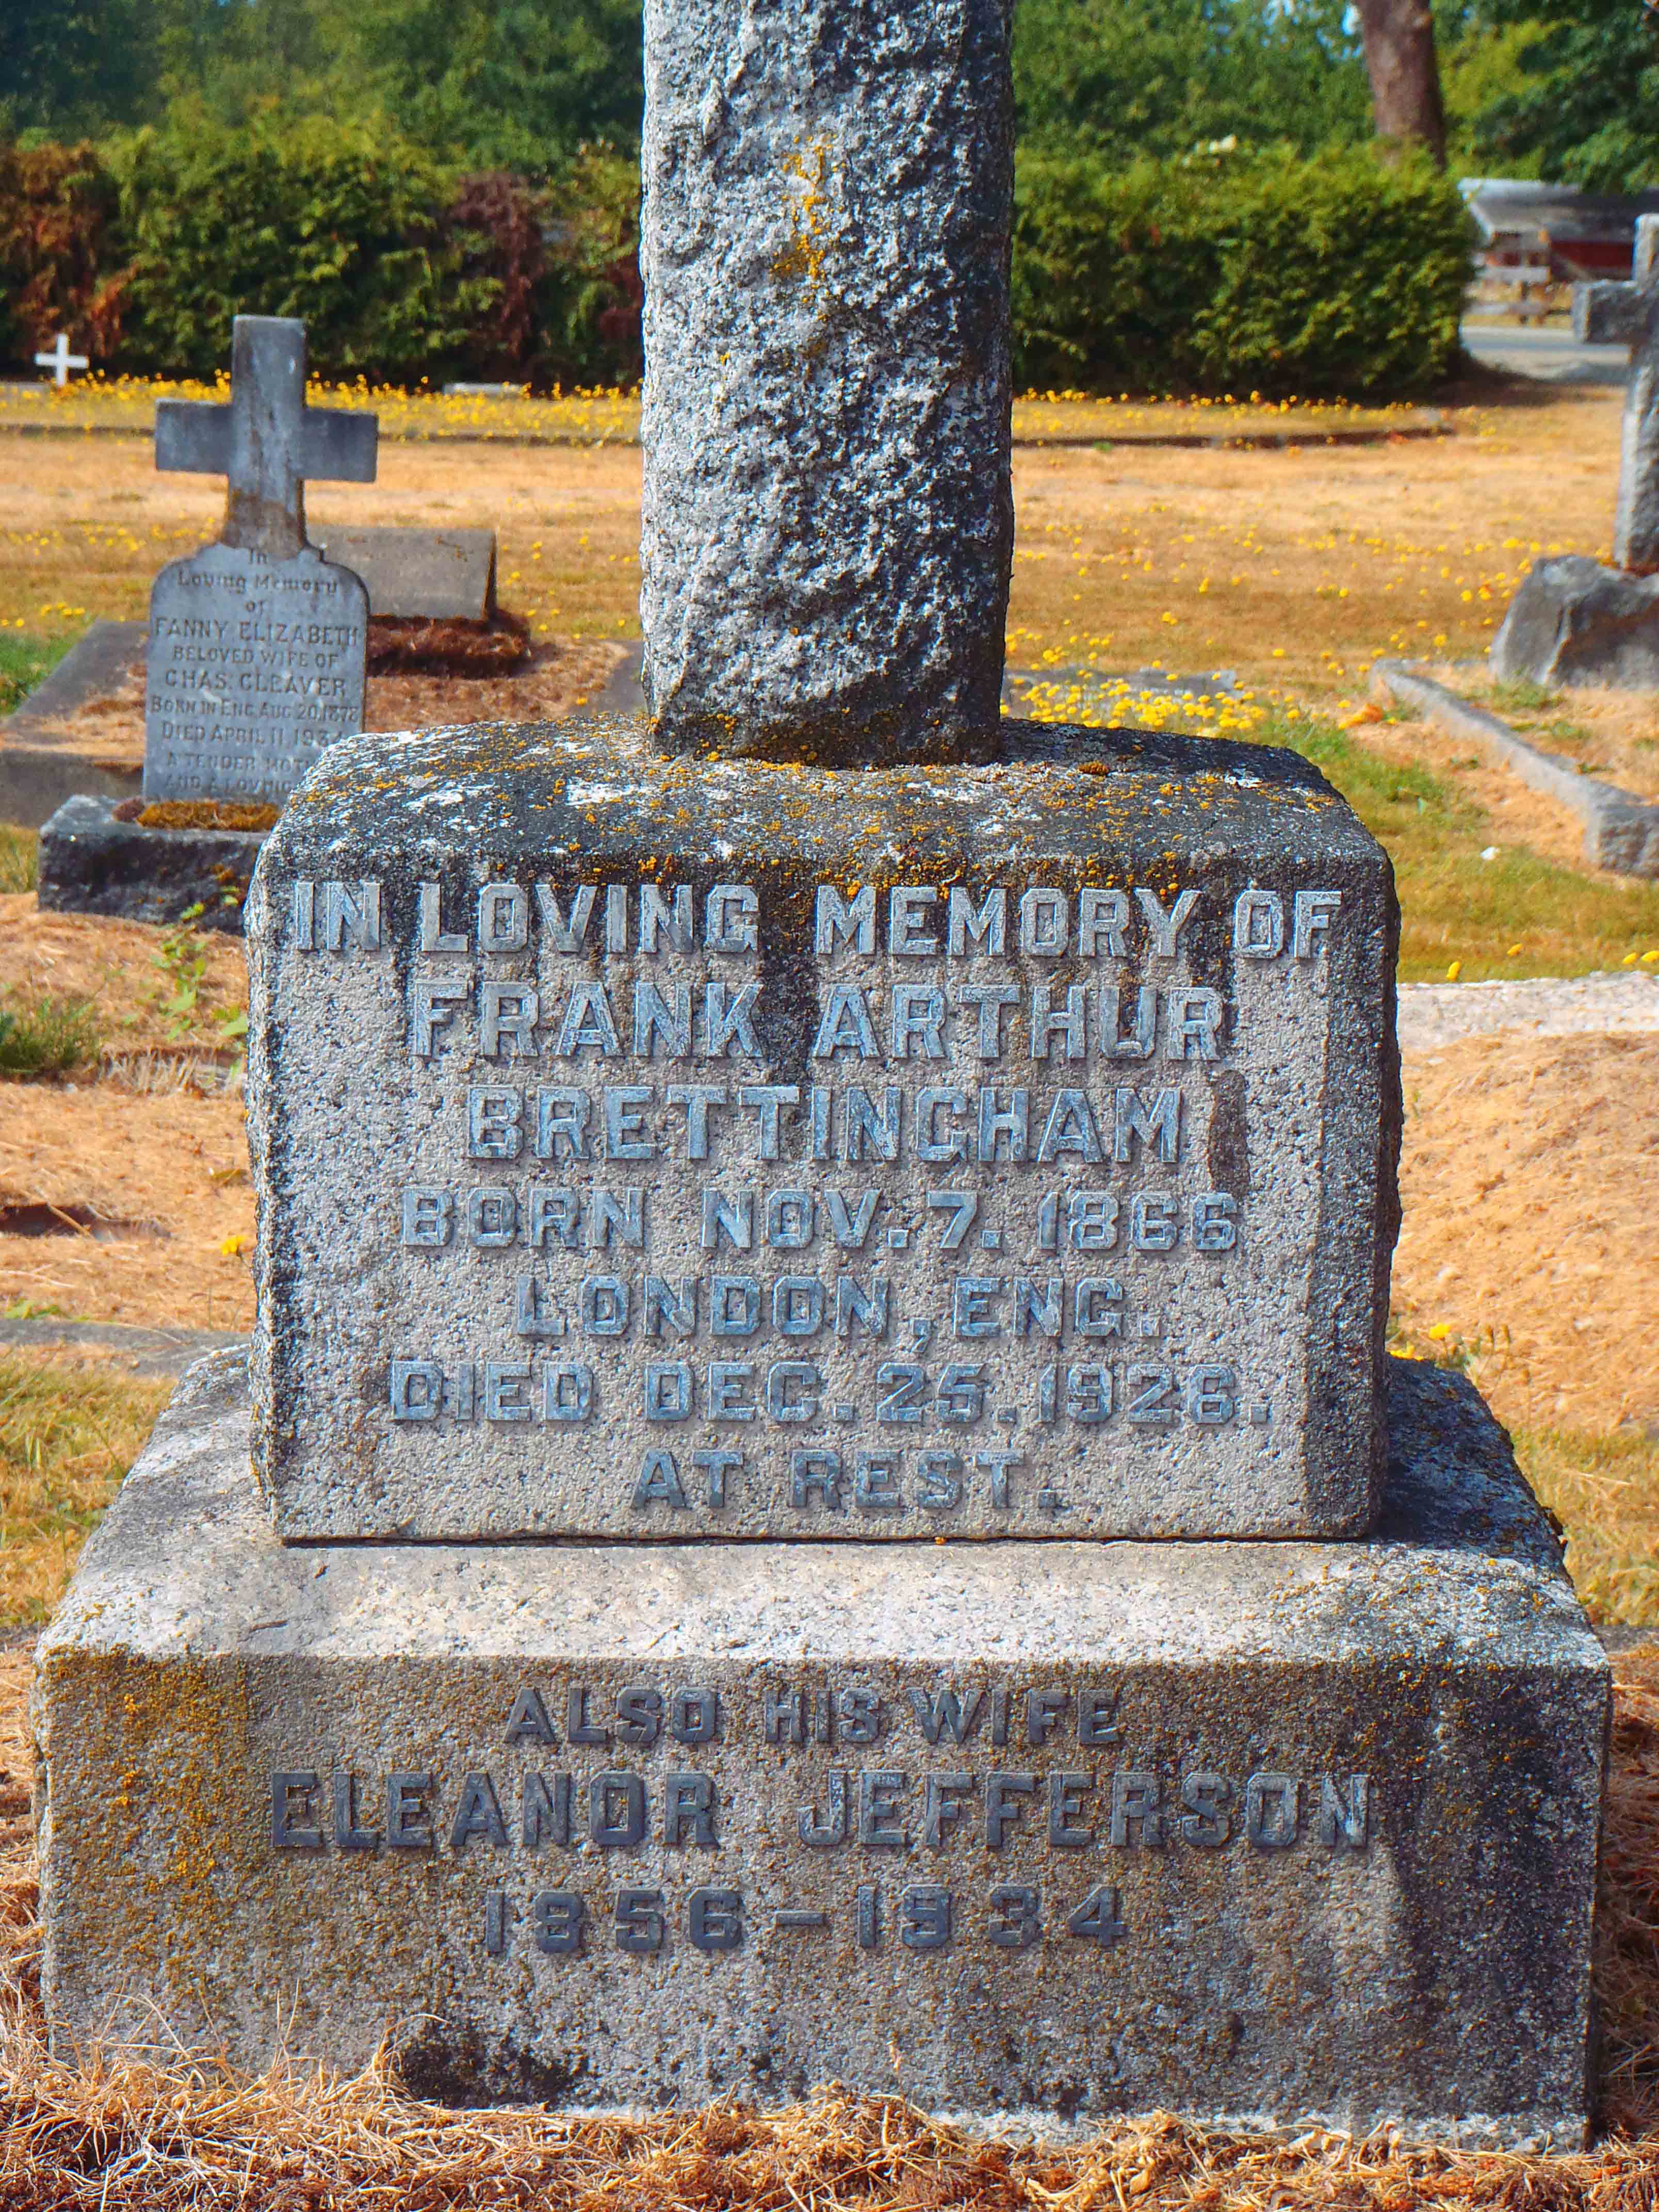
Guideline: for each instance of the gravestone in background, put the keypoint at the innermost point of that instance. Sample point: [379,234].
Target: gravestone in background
[257,646]
[705,1164]
[254,653]
[1575,621]
[431,575]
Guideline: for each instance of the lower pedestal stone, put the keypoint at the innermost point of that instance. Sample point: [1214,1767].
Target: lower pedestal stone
[1270,1832]
[94,862]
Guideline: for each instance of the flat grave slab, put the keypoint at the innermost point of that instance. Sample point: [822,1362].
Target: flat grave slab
[446,576]
[660,1148]
[93,861]
[1260,1833]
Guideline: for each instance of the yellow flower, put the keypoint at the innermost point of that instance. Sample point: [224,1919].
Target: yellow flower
[233,1244]
[1648,958]
[1453,971]
[1440,1331]
[1514,949]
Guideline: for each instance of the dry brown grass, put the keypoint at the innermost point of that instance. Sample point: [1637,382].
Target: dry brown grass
[151,1195]
[192,2137]
[69,1432]
[1294,567]
[1528,1173]
[120,969]
[1611,734]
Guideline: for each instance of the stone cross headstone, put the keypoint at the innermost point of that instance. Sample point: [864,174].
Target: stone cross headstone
[1635,518]
[1574,621]
[60,360]
[758,1259]
[257,644]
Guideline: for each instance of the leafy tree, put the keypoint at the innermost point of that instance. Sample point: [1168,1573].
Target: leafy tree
[346,229]
[1588,111]
[1160,77]
[76,67]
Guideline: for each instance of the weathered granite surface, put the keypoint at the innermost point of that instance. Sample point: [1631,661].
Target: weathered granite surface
[1636,515]
[649,1147]
[92,863]
[827,526]
[1574,622]
[1269,1833]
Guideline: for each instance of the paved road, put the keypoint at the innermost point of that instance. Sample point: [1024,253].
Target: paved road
[1551,355]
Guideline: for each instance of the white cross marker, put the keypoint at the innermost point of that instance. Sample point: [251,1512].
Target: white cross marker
[60,360]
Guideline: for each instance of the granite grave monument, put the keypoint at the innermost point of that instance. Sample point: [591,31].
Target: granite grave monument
[689,1150]
[254,654]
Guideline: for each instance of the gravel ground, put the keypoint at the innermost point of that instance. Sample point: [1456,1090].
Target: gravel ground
[1436,1014]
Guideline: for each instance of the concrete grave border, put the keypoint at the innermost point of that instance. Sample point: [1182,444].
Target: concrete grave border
[39,772]
[1621,832]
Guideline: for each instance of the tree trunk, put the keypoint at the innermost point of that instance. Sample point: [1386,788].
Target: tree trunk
[1399,41]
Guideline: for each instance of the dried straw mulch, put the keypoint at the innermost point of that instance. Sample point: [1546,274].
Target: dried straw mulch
[191,2136]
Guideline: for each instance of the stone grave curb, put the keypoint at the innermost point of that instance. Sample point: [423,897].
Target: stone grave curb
[1621,832]
[148,1351]
[39,773]
[90,863]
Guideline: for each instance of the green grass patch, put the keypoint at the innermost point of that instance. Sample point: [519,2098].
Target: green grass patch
[25,661]
[1604,1490]
[20,859]
[48,1037]
[68,1435]
[1514,915]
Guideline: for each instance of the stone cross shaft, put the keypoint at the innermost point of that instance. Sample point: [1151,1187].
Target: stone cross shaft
[60,360]
[267,441]
[828,526]
[1610,313]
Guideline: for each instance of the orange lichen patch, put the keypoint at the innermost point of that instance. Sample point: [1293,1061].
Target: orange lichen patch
[200,814]
[117,966]
[1525,1236]
[117,1207]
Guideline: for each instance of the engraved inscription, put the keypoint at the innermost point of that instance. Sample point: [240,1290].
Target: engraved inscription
[927,1215]
[253,666]
[1027,1839]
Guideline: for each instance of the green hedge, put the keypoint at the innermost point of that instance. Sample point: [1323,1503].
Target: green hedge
[299,221]
[1265,273]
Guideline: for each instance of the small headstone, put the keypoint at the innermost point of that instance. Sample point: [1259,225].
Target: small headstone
[1574,621]
[257,645]
[60,360]
[441,575]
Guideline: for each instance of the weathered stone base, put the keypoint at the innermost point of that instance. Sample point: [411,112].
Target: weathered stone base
[1573,621]
[1270,1832]
[91,863]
